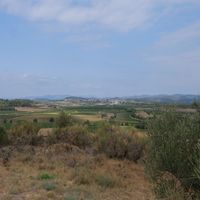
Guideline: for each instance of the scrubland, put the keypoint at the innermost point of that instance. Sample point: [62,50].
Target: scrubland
[75,159]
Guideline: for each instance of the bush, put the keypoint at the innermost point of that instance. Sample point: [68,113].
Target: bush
[64,120]
[51,120]
[105,181]
[3,137]
[24,134]
[140,125]
[116,143]
[76,135]
[173,148]
[35,120]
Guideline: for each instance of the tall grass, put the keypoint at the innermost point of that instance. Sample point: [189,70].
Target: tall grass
[173,148]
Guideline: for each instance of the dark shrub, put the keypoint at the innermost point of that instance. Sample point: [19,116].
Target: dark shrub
[51,120]
[35,120]
[135,150]
[141,125]
[116,143]
[3,137]
[173,148]
[64,120]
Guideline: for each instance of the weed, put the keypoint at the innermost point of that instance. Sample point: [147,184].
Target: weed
[82,176]
[105,181]
[46,176]
[49,186]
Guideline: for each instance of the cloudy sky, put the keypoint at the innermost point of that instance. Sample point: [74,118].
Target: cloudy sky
[99,47]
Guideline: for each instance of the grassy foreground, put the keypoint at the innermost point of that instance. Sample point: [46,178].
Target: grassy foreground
[65,172]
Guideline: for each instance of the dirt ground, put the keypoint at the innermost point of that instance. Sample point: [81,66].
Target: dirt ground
[65,172]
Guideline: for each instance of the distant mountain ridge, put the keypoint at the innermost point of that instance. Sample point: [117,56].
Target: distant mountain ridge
[176,98]
[162,98]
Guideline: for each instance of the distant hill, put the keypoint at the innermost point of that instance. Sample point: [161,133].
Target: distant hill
[171,99]
[48,97]
[177,98]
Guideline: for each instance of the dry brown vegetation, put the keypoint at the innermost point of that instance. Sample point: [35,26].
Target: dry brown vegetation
[29,109]
[63,171]
[91,118]
[72,162]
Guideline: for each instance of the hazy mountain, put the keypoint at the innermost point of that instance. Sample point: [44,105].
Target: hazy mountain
[176,98]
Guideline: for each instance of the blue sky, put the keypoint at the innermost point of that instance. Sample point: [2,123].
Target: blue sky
[99,47]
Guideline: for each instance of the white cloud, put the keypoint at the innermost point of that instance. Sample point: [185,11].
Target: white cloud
[122,15]
[180,37]
[178,54]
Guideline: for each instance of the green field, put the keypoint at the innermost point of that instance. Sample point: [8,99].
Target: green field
[45,114]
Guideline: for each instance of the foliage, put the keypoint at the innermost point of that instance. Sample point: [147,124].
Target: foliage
[116,143]
[173,148]
[64,120]
[35,120]
[76,135]
[166,189]
[105,181]
[51,120]
[3,137]
[24,134]
[9,105]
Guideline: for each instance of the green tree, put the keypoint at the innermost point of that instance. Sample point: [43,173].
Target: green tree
[64,120]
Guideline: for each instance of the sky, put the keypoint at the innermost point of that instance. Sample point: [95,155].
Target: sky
[101,48]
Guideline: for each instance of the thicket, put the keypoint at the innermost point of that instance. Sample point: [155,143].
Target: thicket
[11,104]
[109,139]
[118,143]
[174,155]
[77,135]
[25,133]
[3,137]
[64,120]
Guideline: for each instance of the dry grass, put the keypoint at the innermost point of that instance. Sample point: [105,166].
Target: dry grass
[30,109]
[45,132]
[92,118]
[104,178]
[142,114]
